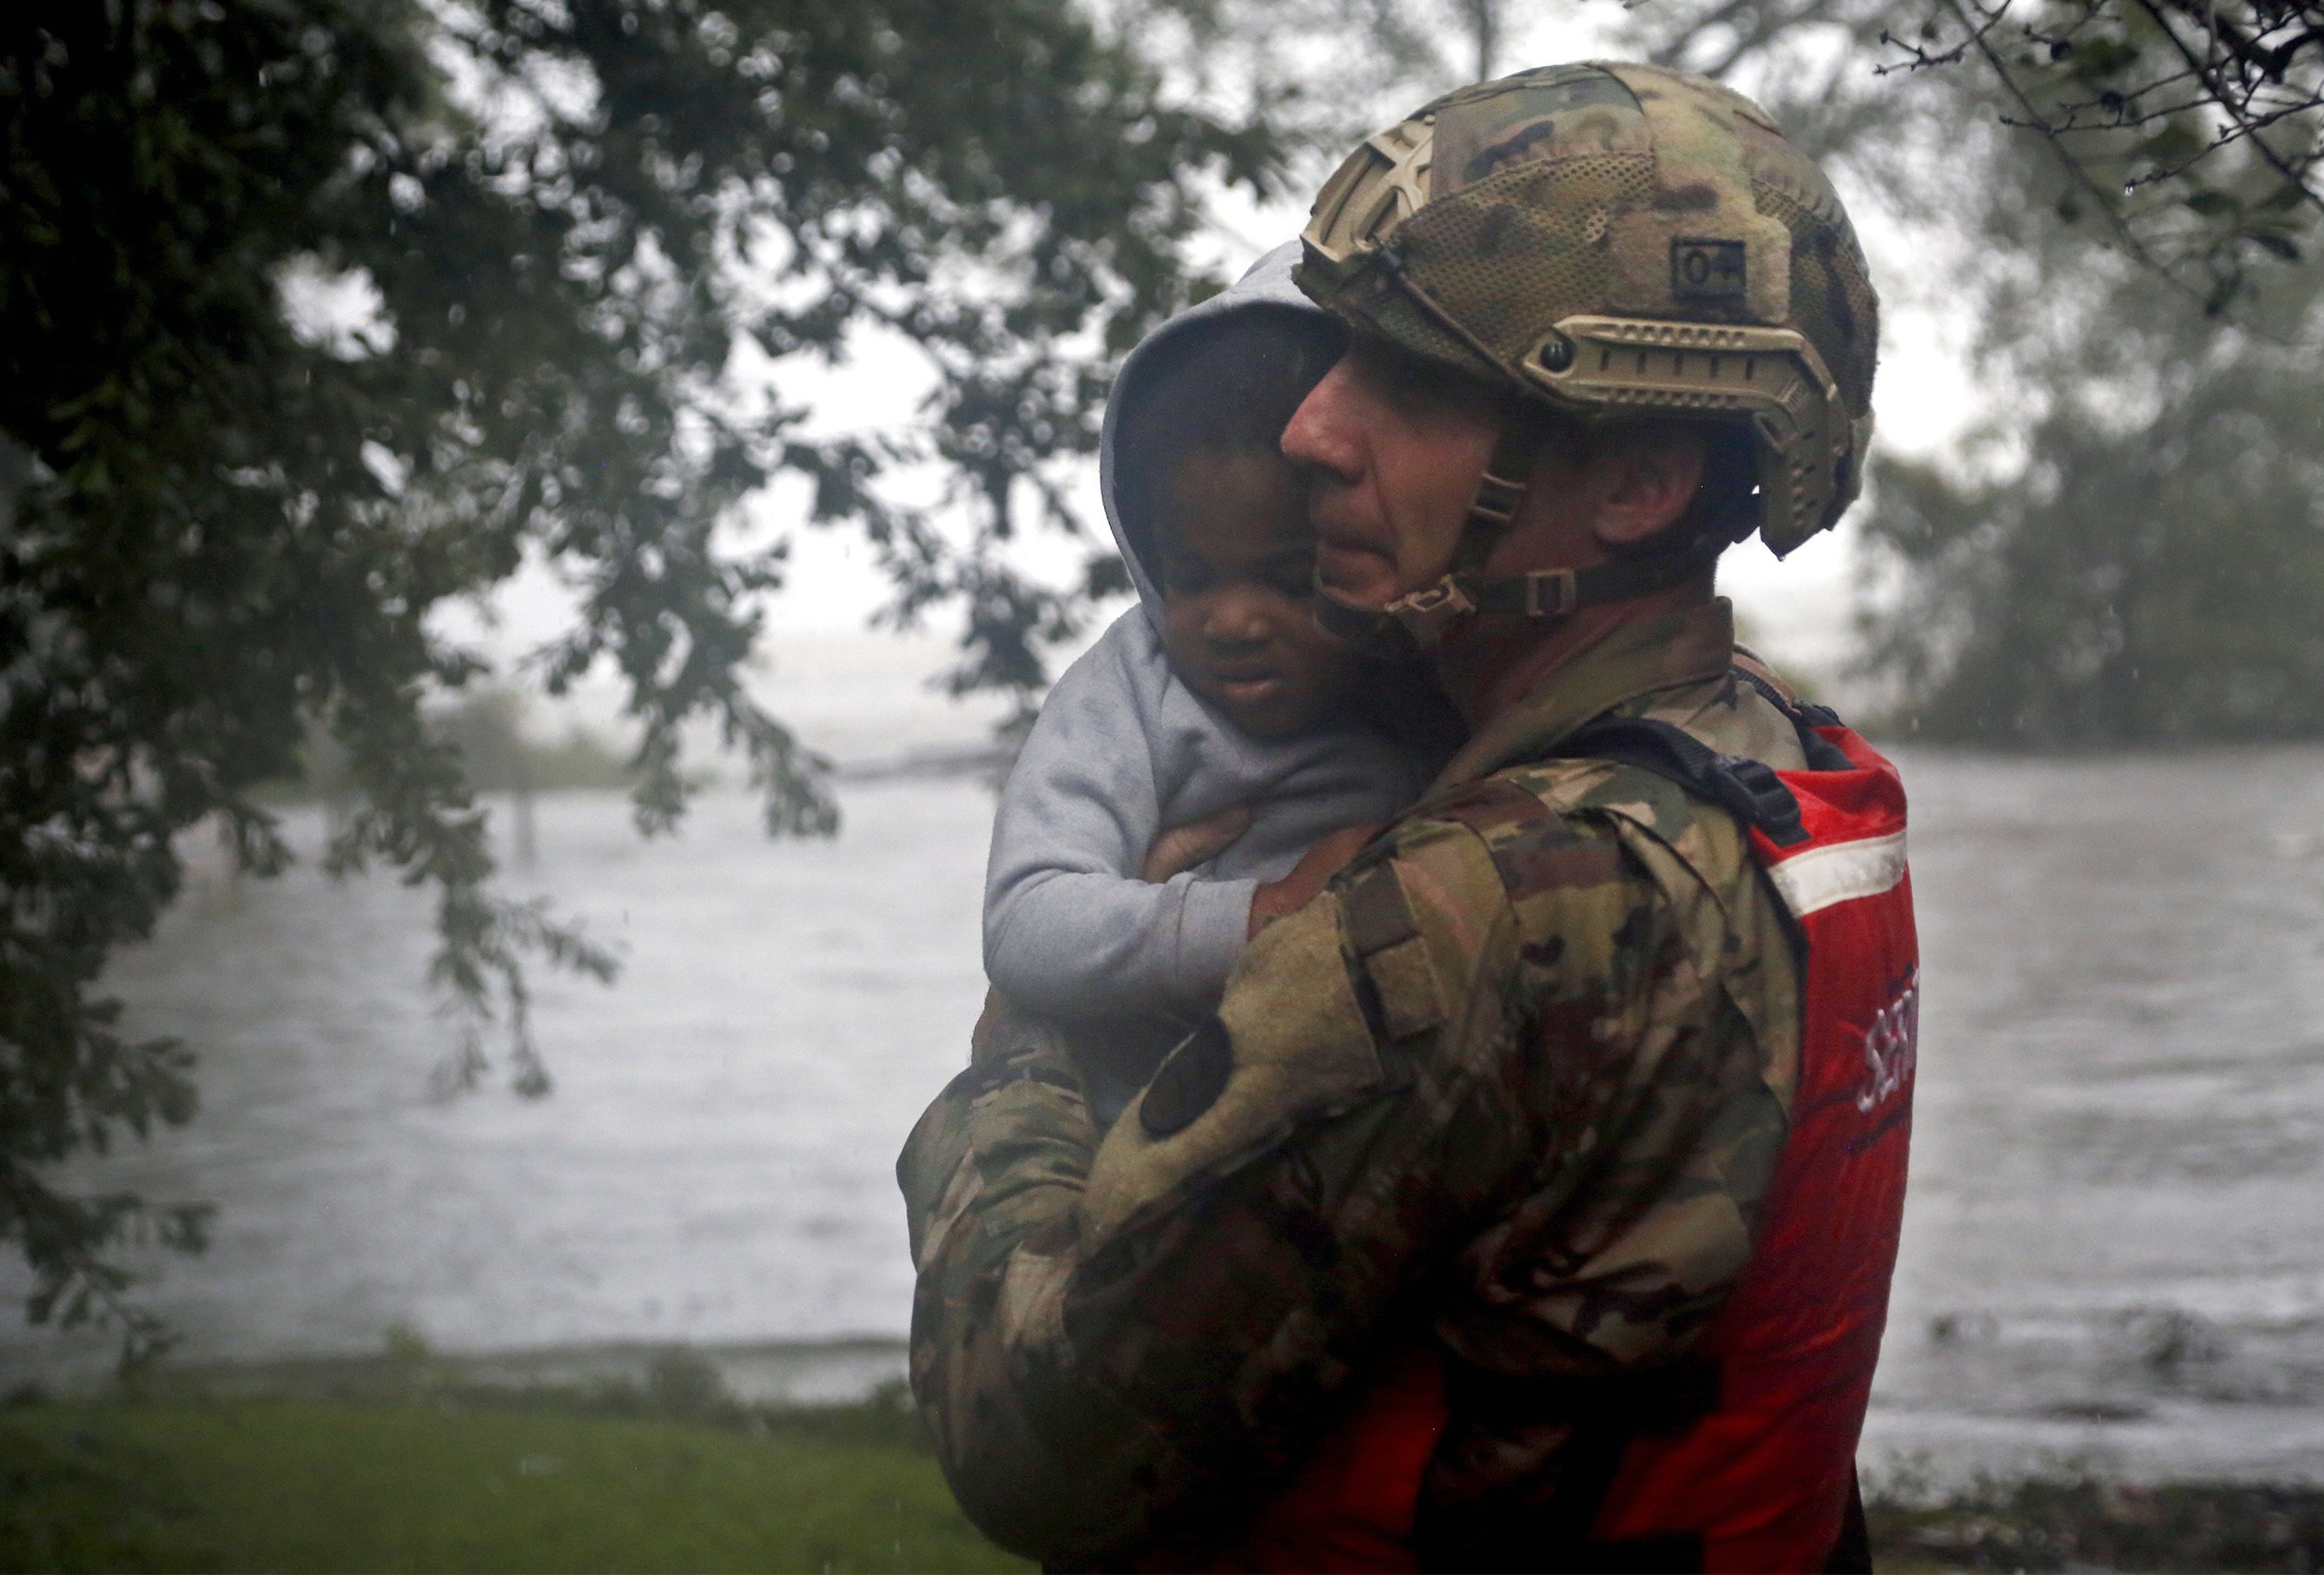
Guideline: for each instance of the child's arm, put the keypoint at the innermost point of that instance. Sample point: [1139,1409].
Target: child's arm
[1070,929]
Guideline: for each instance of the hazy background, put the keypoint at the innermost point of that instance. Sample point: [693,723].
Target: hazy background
[2115,1245]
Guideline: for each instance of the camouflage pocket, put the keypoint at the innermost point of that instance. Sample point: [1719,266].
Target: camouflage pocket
[1393,958]
[1291,1039]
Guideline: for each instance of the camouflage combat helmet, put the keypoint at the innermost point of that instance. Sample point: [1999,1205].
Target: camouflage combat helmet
[1612,239]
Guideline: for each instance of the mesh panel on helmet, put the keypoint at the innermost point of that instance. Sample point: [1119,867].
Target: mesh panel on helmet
[1396,317]
[1525,247]
[1832,301]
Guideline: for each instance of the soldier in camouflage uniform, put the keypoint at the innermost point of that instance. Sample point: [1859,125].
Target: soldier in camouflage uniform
[1510,1091]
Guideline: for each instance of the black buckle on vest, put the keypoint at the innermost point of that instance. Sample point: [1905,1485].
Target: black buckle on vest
[1745,788]
[1775,808]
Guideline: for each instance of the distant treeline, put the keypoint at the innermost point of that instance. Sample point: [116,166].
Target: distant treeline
[488,730]
[496,754]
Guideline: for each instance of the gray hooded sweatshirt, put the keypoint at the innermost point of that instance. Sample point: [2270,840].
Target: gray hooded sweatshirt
[1124,750]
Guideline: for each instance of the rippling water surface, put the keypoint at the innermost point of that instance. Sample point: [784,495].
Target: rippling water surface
[2115,1243]
[2115,1238]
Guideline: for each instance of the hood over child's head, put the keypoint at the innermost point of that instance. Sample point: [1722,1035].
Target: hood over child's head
[1216,518]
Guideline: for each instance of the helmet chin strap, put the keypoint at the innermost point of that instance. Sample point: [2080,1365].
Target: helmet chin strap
[1416,623]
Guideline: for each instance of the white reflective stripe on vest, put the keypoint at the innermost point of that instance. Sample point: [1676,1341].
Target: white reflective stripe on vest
[1839,872]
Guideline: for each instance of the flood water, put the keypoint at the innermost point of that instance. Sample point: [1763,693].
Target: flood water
[2114,1242]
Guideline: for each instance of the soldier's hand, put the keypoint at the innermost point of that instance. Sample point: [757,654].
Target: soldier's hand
[1182,847]
[1317,867]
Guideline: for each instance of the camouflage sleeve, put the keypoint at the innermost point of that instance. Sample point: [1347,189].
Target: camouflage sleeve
[1109,1331]
[993,1177]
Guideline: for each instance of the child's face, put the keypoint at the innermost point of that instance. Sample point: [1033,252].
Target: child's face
[1238,567]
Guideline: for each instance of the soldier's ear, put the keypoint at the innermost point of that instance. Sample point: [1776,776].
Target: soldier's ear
[1645,479]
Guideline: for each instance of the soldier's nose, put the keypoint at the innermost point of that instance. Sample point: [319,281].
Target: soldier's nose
[1321,434]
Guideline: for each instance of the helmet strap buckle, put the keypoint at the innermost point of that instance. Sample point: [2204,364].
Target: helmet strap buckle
[1432,605]
[1423,617]
[1427,613]
[1444,598]
[1552,593]
[1497,497]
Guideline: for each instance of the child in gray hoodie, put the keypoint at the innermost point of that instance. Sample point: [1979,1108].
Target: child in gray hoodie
[1215,691]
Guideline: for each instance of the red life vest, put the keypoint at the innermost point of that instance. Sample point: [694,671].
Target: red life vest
[1762,1476]
[1765,1478]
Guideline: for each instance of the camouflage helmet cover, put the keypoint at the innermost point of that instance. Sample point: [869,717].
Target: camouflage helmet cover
[1618,239]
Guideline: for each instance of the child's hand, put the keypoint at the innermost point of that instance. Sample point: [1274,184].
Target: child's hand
[1317,867]
[1182,847]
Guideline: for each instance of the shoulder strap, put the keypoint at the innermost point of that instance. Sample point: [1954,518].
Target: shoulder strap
[1747,789]
[1806,717]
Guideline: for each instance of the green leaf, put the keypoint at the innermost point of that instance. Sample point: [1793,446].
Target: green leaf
[544,336]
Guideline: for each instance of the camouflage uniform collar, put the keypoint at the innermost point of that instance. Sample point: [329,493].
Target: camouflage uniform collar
[1634,661]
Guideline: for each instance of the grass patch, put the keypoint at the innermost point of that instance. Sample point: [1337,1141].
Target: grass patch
[399,1463]
[347,1486]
